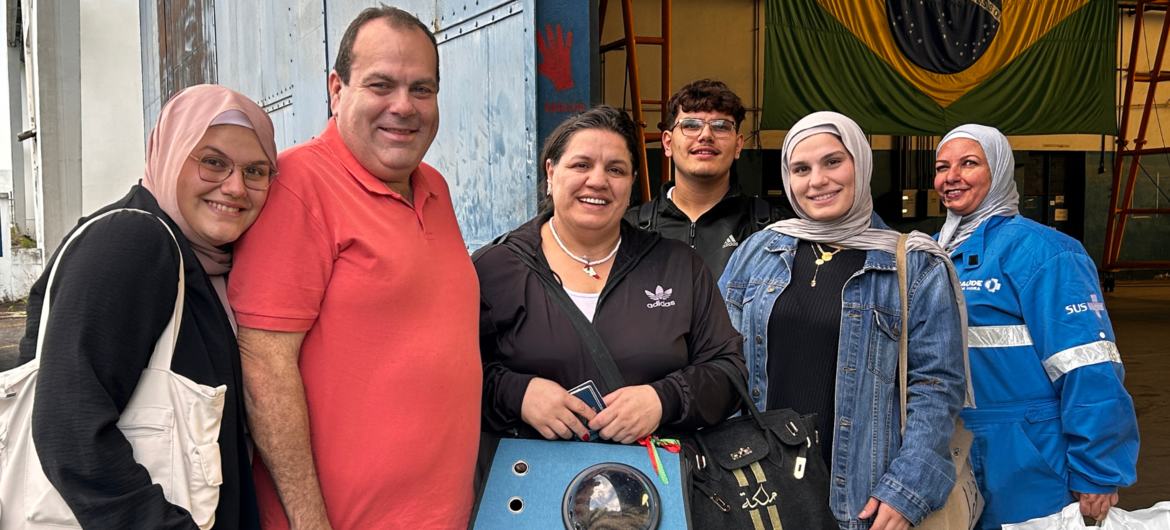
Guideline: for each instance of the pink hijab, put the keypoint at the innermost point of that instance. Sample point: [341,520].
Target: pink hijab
[181,125]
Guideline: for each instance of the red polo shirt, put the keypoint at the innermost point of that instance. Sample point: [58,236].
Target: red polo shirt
[389,301]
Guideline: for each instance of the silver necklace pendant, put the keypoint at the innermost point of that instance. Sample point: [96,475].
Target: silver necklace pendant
[583,260]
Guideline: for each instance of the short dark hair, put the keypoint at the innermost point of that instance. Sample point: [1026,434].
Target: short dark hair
[602,117]
[397,18]
[705,95]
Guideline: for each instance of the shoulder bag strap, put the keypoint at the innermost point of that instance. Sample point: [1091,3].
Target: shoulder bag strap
[646,216]
[610,375]
[903,338]
[169,334]
[164,349]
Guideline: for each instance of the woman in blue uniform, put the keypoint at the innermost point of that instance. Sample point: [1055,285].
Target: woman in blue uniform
[1054,422]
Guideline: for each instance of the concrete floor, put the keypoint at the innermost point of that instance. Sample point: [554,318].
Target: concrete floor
[11,330]
[1140,311]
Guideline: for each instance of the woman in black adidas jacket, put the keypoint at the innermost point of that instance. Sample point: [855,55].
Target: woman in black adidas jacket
[651,301]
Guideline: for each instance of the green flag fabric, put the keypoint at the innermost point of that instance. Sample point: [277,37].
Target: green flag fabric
[921,67]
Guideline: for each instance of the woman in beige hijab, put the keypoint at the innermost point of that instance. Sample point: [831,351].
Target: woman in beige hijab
[818,301]
[210,160]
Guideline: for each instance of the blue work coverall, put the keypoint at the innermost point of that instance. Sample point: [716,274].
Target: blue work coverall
[1052,416]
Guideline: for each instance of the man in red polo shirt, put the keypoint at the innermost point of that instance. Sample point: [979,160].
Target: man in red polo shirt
[358,306]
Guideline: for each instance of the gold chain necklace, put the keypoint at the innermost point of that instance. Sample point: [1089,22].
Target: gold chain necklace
[821,259]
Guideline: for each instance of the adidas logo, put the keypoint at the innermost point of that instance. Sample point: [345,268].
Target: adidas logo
[730,242]
[659,298]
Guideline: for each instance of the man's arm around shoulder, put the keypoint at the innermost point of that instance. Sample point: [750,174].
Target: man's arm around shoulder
[279,419]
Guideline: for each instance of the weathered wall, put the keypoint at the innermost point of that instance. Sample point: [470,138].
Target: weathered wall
[112,149]
[280,54]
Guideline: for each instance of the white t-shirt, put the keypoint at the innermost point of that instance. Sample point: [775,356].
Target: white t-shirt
[586,302]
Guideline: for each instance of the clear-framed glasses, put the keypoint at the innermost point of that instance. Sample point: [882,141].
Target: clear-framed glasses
[692,127]
[216,168]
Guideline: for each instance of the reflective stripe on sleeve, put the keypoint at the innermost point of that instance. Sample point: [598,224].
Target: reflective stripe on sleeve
[1065,361]
[998,336]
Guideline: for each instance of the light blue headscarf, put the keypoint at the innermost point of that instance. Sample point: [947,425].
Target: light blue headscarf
[1001,199]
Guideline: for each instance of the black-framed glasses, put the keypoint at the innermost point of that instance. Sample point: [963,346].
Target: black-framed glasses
[692,127]
[215,168]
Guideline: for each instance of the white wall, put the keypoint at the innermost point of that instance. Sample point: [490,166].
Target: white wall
[112,150]
[5,136]
[83,91]
[19,267]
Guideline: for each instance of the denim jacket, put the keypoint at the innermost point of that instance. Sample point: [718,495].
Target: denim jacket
[914,474]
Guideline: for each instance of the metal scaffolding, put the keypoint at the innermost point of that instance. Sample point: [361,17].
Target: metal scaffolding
[1130,148]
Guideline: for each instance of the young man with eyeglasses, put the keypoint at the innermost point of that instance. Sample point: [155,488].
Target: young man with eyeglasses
[702,206]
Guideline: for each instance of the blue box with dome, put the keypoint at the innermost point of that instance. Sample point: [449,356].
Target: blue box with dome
[553,484]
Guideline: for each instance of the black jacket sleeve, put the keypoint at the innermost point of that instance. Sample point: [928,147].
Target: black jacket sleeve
[701,395]
[503,388]
[112,296]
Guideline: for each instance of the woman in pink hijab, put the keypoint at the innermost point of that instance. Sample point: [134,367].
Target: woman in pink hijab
[209,162]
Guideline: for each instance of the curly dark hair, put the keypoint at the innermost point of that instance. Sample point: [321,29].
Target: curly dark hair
[704,95]
[602,117]
[397,18]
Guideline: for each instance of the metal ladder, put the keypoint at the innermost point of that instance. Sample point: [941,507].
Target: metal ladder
[629,42]
[1125,176]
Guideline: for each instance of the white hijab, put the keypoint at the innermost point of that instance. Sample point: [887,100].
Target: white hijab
[1001,199]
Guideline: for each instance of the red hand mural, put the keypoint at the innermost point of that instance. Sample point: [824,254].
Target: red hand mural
[555,62]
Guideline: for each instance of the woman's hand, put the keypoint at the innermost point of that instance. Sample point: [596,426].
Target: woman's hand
[631,413]
[887,517]
[1096,505]
[553,412]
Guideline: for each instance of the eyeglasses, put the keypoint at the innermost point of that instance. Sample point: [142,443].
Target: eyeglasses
[692,127]
[217,169]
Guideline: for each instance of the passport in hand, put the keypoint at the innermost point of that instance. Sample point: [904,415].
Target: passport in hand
[589,393]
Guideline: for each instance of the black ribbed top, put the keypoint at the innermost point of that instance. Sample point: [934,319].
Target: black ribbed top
[803,334]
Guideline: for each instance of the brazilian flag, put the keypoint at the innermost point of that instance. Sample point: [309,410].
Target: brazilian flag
[921,67]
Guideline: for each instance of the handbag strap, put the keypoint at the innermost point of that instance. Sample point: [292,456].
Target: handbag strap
[740,385]
[610,375]
[903,337]
[164,348]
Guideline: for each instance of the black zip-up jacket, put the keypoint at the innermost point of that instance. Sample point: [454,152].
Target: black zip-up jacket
[718,232]
[660,315]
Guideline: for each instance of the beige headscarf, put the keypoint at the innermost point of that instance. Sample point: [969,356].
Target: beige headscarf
[181,125]
[853,229]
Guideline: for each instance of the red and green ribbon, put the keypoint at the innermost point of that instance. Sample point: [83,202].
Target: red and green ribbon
[652,444]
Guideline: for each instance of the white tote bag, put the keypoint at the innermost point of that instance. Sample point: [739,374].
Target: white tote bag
[1156,517]
[171,422]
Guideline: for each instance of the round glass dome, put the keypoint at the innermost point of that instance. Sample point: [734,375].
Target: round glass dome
[611,496]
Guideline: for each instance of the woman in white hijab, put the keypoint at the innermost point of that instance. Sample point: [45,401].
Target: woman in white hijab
[817,301]
[1054,423]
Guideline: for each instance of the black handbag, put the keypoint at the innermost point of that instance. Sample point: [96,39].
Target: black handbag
[759,470]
